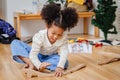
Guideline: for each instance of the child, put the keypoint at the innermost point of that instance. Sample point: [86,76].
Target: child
[49,46]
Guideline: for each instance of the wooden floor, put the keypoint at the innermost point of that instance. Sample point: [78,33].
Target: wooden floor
[10,70]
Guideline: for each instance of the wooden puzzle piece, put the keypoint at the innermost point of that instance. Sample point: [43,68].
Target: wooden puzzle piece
[109,61]
[32,73]
[108,57]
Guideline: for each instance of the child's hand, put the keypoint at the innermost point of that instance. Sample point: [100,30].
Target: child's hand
[44,65]
[31,66]
[59,72]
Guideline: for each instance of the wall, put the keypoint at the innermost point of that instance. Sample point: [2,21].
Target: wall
[116,23]
[2,9]
[28,28]
[32,26]
[18,5]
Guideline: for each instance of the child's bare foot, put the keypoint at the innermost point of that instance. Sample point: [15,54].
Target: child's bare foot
[26,66]
[29,66]
[28,63]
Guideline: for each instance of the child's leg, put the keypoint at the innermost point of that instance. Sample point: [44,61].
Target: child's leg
[53,59]
[20,52]
[28,62]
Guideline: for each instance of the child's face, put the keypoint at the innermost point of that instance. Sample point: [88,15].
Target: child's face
[54,33]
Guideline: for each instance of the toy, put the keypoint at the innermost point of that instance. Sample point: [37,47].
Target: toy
[109,61]
[98,44]
[71,41]
[32,73]
[79,45]
[108,57]
[78,40]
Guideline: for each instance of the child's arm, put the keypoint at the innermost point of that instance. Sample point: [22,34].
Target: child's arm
[36,46]
[63,55]
[63,52]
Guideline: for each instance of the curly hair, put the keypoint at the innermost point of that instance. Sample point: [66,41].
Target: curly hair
[66,18]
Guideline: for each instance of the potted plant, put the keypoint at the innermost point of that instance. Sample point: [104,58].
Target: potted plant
[104,18]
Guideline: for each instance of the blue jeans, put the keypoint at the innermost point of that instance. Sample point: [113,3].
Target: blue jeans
[19,48]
